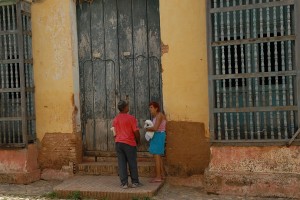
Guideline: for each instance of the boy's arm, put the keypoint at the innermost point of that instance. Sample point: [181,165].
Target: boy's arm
[136,131]
[137,137]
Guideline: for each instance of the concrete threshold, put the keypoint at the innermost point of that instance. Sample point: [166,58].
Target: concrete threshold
[105,187]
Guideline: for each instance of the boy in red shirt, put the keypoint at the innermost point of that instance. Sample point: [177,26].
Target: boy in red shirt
[127,138]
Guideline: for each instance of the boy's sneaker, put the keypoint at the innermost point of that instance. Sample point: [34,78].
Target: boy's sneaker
[135,185]
[124,186]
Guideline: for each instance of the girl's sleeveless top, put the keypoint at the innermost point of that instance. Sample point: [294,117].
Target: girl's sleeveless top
[162,126]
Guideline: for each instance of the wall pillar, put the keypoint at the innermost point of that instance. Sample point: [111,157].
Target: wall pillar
[56,75]
[185,85]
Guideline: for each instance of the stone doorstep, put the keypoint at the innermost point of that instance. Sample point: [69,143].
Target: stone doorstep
[86,159]
[105,187]
[145,169]
[256,184]
[20,177]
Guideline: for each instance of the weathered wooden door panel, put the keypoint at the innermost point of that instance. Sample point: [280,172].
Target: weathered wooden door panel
[141,48]
[119,53]
[154,51]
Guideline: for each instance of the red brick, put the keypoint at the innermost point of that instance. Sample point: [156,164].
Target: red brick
[58,149]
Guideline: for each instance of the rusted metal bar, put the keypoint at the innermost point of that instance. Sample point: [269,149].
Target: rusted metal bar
[5,71]
[1,83]
[217,71]
[8,90]
[276,59]
[223,71]
[25,7]
[16,124]
[230,117]
[269,67]
[293,138]
[297,62]
[261,141]
[29,60]
[6,119]
[255,40]
[249,80]
[263,70]
[29,33]
[236,71]
[252,6]
[22,78]
[256,74]
[8,61]
[7,2]
[290,67]
[256,99]
[12,145]
[283,66]
[256,109]
[26,73]
[8,32]
[10,78]
[213,124]
[243,71]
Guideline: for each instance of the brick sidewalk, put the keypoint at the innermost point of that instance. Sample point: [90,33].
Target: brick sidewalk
[169,191]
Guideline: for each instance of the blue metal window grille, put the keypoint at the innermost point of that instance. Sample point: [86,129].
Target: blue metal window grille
[17,115]
[253,70]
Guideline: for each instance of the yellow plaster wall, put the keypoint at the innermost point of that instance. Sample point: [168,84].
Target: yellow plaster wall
[55,66]
[185,81]
[185,71]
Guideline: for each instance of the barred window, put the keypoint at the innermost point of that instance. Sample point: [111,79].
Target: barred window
[17,118]
[253,71]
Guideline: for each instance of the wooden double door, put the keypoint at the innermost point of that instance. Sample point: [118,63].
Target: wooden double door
[119,58]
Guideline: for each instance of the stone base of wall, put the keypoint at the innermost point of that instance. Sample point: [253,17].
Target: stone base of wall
[59,149]
[20,178]
[271,171]
[253,184]
[19,166]
[187,149]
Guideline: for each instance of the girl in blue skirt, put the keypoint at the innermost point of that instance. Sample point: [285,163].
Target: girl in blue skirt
[157,143]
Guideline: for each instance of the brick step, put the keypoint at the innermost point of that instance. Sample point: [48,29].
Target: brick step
[145,169]
[104,187]
[113,159]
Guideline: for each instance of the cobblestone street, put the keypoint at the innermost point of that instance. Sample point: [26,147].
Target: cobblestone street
[34,190]
[40,189]
[171,192]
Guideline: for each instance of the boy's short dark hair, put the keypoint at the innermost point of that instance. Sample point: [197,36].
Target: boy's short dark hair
[122,105]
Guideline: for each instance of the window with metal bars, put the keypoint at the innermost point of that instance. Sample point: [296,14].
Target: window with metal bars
[253,71]
[17,116]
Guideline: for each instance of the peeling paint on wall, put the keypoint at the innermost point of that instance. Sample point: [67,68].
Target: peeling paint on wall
[183,35]
[56,66]
[164,48]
